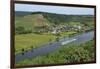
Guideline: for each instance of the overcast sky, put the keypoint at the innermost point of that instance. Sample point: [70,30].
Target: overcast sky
[54,9]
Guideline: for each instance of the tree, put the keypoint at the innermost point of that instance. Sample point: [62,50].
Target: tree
[20,29]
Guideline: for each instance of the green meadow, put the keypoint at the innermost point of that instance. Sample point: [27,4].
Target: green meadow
[28,41]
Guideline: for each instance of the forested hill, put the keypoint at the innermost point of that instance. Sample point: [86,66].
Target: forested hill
[59,18]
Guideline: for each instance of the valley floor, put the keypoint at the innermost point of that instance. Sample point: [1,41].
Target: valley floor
[31,40]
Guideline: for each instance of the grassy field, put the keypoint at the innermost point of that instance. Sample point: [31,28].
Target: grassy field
[66,54]
[68,33]
[26,41]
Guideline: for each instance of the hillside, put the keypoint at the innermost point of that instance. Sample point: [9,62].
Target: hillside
[56,18]
[34,20]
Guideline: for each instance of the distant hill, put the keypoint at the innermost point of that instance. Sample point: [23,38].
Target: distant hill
[29,20]
[61,18]
[22,13]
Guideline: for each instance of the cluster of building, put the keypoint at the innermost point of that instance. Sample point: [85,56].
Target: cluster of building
[63,28]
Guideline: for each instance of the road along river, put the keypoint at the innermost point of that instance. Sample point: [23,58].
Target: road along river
[49,48]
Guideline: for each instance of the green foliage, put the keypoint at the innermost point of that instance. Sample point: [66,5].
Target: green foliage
[67,54]
[58,18]
[22,30]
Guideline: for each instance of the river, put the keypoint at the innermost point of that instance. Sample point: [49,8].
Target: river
[49,48]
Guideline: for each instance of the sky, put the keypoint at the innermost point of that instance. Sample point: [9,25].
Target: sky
[54,9]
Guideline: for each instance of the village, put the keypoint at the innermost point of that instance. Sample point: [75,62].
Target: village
[58,29]
[64,28]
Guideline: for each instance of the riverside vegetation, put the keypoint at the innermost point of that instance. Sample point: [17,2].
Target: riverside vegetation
[67,54]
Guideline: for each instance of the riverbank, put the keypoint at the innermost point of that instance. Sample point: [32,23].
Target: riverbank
[52,47]
[66,54]
[26,42]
